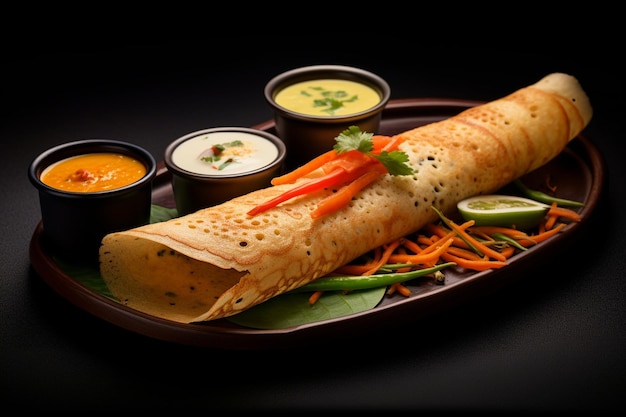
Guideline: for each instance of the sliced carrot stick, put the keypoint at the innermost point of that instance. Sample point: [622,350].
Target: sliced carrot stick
[304,188]
[348,161]
[393,144]
[343,196]
[312,165]
[379,142]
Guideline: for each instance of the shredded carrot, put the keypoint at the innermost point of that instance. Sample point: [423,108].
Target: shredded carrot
[551,187]
[426,257]
[361,268]
[482,264]
[507,231]
[384,258]
[436,229]
[464,253]
[508,251]
[486,239]
[413,246]
[549,222]
[541,236]
[477,248]
[400,288]
[484,249]
[315,296]
[563,212]
[439,230]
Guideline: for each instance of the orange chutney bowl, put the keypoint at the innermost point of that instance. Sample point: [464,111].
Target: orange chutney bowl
[89,188]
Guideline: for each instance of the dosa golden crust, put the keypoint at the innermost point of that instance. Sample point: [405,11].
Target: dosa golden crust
[219,261]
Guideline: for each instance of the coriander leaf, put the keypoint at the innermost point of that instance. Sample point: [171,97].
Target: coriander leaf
[395,162]
[352,138]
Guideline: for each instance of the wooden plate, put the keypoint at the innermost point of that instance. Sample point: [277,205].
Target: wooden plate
[579,172]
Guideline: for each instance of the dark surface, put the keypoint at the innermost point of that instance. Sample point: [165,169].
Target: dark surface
[553,341]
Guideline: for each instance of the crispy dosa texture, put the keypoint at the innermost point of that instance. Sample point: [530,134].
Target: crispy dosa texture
[219,261]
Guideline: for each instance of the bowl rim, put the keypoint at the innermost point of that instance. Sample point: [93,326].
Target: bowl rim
[284,79]
[177,170]
[87,146]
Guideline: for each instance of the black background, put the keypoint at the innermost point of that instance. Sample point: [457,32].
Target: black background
[552,342]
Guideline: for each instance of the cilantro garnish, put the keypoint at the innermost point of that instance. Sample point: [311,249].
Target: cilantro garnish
[353,139]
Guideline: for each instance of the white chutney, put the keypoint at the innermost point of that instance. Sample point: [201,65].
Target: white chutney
[238,153]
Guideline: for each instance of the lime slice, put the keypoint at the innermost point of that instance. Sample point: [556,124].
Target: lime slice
[503,210]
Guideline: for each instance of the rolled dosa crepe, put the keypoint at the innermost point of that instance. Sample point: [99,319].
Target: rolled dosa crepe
[220,261]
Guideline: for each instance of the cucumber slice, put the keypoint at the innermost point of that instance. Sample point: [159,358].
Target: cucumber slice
[503,210]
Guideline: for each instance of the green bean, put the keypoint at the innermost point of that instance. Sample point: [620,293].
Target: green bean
[545,198]
[360,282]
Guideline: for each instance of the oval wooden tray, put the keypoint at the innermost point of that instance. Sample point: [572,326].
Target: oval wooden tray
[578,171]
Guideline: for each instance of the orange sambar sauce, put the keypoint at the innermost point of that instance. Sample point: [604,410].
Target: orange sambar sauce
[93,172]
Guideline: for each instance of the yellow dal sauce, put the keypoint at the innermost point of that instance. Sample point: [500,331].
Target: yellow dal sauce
[327,97]
[93,172]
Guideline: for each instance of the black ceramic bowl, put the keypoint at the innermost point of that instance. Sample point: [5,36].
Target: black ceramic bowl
[203,177]
[74,223]
[309,134]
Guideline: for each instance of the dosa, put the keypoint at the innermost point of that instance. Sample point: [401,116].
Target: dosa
[219,261]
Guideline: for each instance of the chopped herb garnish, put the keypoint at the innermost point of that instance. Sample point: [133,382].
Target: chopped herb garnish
[226,163]
[333,100]
[353,139]
[213,154]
